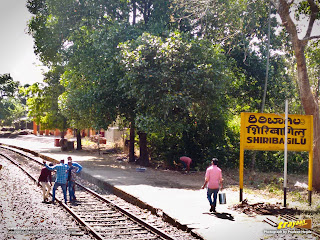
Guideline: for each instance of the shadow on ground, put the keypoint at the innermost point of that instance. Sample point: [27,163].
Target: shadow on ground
[226,216]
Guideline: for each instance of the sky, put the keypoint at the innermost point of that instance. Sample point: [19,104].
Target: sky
[16,46]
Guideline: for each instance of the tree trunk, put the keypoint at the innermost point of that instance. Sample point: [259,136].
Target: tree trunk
[79,145]
[311,107]
[309,101]
[62,134]
[134,12]
[131,142]
[144,156]
[253,161]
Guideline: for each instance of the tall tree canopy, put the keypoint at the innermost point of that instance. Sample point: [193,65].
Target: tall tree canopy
[178,71]
[304,10]
[180,88]
[43,101]
[11,106]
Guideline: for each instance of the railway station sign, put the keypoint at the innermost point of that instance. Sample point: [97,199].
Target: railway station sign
[266,131]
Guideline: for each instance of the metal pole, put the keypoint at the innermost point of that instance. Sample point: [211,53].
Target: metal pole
[268,59]
[285,155]
[241,162]
[310,174]
[99,142]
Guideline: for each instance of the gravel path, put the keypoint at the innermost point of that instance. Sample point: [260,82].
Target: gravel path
[23,216]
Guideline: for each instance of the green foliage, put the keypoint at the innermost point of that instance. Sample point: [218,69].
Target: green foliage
[313,61]
[8,87]
[179,87]
[43,101]
[273,161]
[11,109]
[304,10]
[184,89]
[11,106]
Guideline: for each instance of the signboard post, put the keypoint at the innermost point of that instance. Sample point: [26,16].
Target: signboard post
[285,162]
[266,132]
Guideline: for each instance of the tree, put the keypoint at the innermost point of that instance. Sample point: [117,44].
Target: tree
[179,86]
[43,102]
[11,110]
[82,36]
[306,9]
[241,27]
[8,87]
[62,31]
[11,107]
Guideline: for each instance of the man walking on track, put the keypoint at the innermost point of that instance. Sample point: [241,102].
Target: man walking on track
[44,181]
[61,180]
[214,179]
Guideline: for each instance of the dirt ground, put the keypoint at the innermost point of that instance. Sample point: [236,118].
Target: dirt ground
[260,186]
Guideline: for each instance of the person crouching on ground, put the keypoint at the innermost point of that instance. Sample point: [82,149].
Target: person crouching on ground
[61,179]
[186,161]
[214,179]
[45,181]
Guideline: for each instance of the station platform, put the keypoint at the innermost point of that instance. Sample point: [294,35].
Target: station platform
[177,195]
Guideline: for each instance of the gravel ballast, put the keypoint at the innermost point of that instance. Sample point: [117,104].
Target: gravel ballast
[24,216]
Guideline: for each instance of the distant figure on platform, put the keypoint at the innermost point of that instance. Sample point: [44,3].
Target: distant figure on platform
[214,179]
[76,169]
[186,161]
[61,179]
[45,181]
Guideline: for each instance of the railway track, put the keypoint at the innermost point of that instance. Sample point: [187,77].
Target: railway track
[98,215]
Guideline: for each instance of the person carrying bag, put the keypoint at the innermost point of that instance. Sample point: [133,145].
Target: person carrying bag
[213,179]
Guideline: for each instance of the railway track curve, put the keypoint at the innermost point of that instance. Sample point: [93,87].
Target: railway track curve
[98,215]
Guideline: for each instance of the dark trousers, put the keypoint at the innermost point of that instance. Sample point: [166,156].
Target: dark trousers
[64,189]
[215,194]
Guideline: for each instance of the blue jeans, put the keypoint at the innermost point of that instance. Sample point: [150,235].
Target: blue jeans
[71,191]
[215,194]
[64,190]
[184,164]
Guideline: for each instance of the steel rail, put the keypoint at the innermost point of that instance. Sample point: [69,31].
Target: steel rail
[85,225]
[151,228]
[130,215]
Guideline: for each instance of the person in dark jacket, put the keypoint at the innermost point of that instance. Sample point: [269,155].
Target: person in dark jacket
[71,181]
[73,169]
[45,181]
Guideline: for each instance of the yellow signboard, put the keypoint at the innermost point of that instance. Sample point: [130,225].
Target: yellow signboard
[266,131]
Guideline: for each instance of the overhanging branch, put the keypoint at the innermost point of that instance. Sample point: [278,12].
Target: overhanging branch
[313,16]
[311,38]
